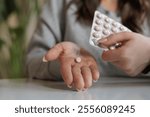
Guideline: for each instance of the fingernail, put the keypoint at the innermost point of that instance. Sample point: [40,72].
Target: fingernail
[94,81]
[78,90]
[44,59]
[84,89]
[69,86]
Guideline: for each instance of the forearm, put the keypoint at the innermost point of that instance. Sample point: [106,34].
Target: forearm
[47,34]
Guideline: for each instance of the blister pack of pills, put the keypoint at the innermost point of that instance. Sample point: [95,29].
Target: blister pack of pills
[103,26]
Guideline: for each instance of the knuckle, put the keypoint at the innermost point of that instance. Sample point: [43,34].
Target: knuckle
[130,71]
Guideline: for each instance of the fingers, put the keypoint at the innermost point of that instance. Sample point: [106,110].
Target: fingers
[77,77]
[53,53]
[111,55]
[66,72]
[95,72]
[83,76]
[87,76]
[116,38]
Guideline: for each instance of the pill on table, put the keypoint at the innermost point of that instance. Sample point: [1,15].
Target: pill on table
[78,59]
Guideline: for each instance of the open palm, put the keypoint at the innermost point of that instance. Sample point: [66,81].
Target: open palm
[77,74]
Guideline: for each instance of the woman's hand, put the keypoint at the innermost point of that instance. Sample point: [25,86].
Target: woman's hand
[76,73]
[133,55]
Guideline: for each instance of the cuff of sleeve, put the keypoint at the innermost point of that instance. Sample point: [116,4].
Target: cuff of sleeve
[54,70]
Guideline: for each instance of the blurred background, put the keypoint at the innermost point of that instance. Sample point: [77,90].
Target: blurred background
[18,20]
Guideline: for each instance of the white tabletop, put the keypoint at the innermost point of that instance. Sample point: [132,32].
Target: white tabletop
[105,88]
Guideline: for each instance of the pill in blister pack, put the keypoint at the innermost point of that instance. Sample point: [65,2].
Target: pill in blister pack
[102,27]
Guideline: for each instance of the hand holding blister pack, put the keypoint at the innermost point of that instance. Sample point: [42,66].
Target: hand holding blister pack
[102,27]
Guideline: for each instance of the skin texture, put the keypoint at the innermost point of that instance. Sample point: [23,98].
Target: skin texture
[134,54]
[75,74]
[132,57]
[110,5]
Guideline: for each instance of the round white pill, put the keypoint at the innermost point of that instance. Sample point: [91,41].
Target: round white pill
[78,60]
[107,20]
[114,24]
[98,22]
[114,29]
[96,35]
[122,28]
[99,16]
[106,26]
[105,32]
[97,28]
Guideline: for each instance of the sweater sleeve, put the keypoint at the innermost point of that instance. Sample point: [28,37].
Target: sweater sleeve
[49,31]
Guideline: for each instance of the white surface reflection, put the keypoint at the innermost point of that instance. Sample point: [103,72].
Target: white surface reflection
[104,89]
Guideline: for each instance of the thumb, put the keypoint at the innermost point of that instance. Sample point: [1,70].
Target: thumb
[54,53]
[115,38]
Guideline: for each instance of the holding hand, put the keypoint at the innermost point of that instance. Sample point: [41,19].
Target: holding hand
[78,67]
[133,55]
